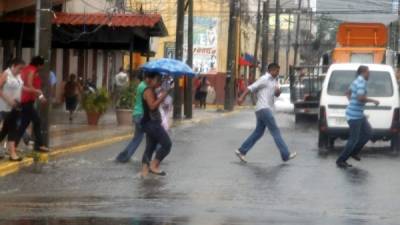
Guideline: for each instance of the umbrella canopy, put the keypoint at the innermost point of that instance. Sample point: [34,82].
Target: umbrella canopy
[168,66]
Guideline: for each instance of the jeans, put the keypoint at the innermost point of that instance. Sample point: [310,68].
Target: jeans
[156,134]
[127,153]
[360,133]
[28,115]
[265,119]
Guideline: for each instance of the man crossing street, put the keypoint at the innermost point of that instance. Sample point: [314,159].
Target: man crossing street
[360,129]
[266,88]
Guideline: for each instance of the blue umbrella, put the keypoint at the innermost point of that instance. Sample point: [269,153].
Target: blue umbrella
[168,66]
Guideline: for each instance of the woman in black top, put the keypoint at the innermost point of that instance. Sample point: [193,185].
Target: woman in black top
[155,133]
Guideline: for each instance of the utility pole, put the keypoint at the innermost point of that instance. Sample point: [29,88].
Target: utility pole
[265,40]
[189,80]
[255,66]
[397,44]
[288,44]
[180,22]
[310,37]
[277,37]
[231,70]
[296,42]
[43,48]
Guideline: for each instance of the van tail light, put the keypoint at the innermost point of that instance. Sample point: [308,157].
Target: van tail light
[323,125]
[396,121]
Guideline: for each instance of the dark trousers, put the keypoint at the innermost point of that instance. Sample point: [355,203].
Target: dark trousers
[156,134]
[10,128]
[360,133]
[203,99]
[28,115]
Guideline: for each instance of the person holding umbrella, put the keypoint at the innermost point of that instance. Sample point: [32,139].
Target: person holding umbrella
[151,122]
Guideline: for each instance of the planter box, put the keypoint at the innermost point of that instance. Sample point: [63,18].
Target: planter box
[124,117]
[93,118]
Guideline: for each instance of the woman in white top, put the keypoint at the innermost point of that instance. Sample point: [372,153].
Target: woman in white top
[11,86]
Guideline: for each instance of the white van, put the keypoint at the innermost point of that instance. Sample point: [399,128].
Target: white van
[384,118]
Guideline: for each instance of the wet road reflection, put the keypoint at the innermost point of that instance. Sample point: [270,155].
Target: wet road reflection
[97,221]
[206,185]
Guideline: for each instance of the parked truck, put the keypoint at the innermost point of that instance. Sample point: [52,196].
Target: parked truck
[361,43]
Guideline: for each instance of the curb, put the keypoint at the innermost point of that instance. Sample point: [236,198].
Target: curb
[8,168]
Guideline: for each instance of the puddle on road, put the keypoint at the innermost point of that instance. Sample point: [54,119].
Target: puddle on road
[97,221]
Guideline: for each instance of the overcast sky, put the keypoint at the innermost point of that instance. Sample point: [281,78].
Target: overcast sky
[389,6]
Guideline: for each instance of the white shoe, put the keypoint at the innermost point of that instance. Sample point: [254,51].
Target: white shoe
[292,156]
[240,156]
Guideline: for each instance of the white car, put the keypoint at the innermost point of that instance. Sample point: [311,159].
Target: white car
[283,102]
[384,118]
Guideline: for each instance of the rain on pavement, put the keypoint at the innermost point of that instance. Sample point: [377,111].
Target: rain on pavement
[207,185]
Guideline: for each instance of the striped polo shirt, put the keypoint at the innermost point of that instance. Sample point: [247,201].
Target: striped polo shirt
[355,109]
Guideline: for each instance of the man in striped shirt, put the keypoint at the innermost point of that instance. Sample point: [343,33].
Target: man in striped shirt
[360,130]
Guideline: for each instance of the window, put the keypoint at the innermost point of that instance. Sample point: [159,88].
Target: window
[379,83]
[362,58]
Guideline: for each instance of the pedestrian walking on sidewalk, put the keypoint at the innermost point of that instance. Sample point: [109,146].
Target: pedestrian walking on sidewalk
[131,148]
[360,129]
[11,86]
[32,92]
[203,91]
[155,133]
[266,88]
[72,89]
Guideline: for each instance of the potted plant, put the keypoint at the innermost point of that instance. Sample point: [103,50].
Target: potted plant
[125,104]
[95,103]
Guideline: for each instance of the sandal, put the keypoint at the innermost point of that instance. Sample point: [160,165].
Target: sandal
[18,159]
[161,173]
[43,149]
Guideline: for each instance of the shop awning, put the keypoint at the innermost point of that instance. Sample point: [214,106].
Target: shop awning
[94,30]
[95,19]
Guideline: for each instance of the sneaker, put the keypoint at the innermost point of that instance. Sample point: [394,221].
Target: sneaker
[356,157]
[240,156]
[343,165]
[291,156]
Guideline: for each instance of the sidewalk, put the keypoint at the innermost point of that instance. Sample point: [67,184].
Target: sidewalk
[69,137]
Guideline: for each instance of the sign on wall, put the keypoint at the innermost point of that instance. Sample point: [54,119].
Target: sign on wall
[169,50]
[205,43]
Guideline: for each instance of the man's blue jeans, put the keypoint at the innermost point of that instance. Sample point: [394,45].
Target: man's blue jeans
[126,155]
[360,133]
[265,119]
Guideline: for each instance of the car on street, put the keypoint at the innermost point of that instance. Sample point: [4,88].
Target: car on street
[283,102]
[384,118]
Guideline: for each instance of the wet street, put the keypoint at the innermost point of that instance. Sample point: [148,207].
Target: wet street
[206,184]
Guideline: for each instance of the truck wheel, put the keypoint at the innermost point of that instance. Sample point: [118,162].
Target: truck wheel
[323,141]
[297,118]
[395,143]
[331,143]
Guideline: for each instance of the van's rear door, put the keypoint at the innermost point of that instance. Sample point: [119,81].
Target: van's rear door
[381,86]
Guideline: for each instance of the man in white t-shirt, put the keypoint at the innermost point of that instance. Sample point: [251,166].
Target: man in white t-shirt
[121,79]
[120,83]
[266,88]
